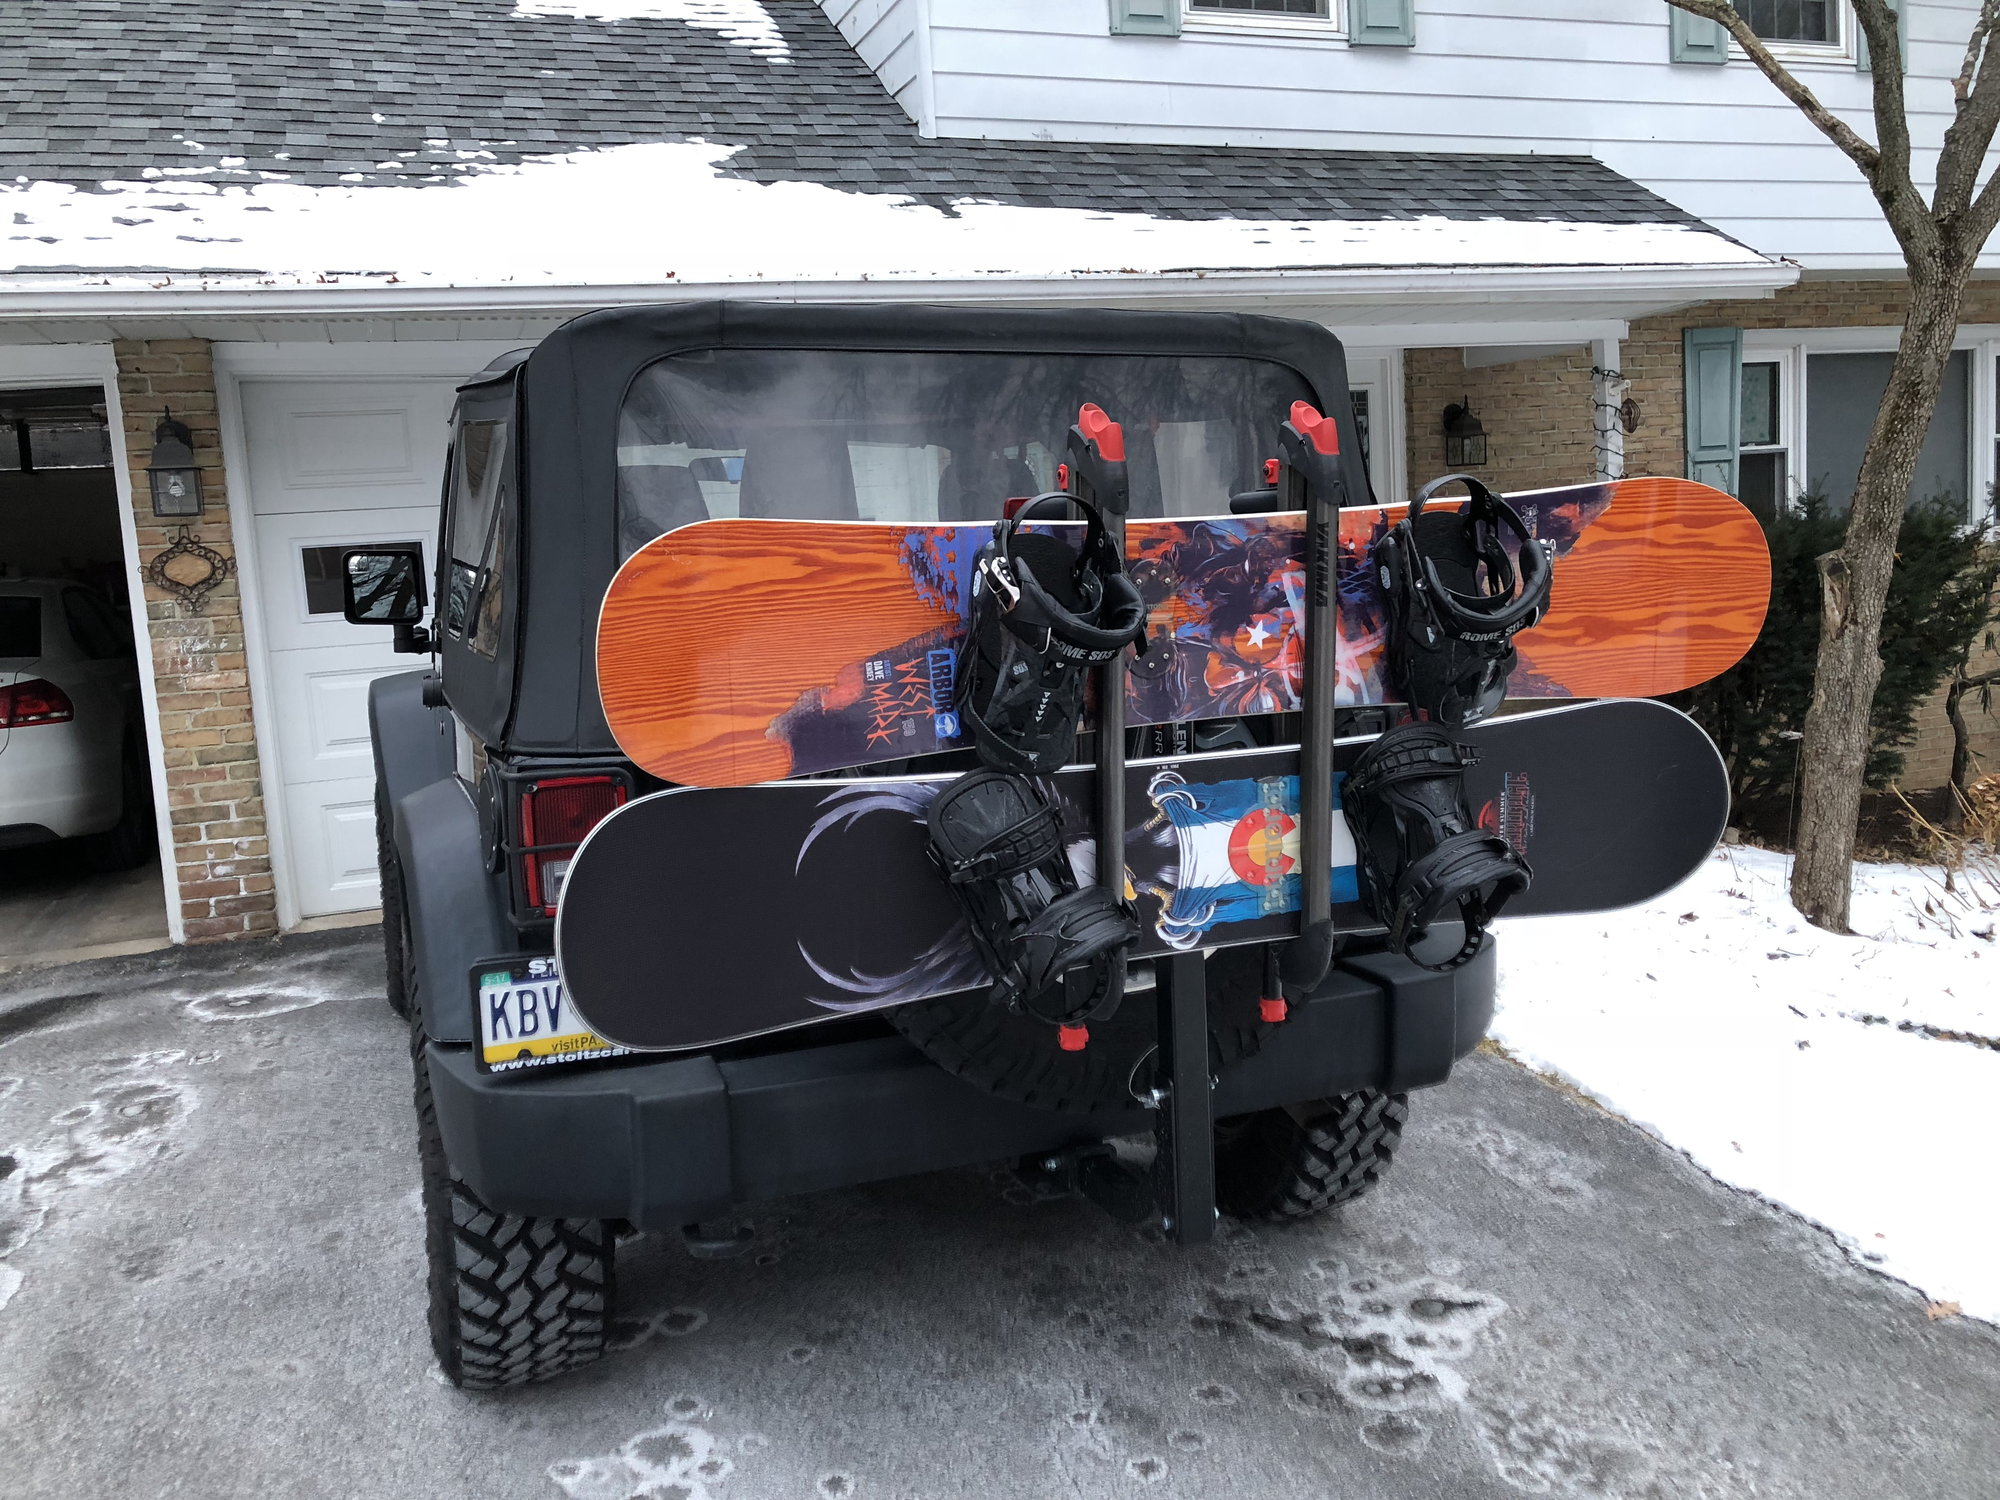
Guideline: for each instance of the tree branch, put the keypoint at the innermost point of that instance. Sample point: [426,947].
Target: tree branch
[1892,126]
[1835,129]
[1974,46]
[1977,222]
[1976,92]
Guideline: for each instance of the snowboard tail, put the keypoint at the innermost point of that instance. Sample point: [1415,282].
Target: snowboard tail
[737,651]
[698,916]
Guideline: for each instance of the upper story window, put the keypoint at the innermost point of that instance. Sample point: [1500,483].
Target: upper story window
[1810,22]
[1318,19]
[1318,8]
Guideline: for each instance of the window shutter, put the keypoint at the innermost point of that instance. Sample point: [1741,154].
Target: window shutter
[1382,23]
[1693,40]
[1145,17]
[1712,360]
[1902,38]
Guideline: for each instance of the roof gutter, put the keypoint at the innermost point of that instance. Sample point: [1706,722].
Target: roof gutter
[1434,286]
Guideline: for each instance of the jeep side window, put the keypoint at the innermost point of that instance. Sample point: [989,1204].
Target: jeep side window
[471,605]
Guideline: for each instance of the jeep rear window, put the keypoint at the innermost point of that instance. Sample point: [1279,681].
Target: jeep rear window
[892,435]
[20,626]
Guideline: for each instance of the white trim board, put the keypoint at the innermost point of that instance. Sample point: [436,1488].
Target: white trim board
[442,358]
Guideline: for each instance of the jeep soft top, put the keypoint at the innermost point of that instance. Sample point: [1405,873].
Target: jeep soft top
[564,460]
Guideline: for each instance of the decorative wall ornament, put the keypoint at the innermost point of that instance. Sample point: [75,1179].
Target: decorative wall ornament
[189,570]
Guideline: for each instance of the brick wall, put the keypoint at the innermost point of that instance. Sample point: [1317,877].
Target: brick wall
[222,861]
[1537,415]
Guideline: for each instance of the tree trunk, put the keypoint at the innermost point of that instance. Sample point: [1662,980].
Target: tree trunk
[1854,585]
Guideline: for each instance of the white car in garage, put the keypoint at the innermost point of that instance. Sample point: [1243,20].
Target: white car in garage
[72,747]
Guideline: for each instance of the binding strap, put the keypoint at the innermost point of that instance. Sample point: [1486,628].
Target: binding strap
[1455,603]
[1041,617]
[1421,855]
[998,839]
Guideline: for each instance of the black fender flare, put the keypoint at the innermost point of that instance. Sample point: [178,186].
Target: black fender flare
[455,912]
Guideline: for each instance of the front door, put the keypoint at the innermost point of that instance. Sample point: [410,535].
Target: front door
[333,464]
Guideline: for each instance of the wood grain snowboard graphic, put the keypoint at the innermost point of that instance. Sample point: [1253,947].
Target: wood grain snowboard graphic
[737,651]
[700,915]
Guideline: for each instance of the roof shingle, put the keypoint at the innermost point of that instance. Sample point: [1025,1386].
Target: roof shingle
[106,89]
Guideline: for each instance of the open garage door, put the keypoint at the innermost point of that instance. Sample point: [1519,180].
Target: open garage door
[332,465]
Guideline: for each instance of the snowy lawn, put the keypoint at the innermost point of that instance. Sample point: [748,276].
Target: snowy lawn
[1805,1067]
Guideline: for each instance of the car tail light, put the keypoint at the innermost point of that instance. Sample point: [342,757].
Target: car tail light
[556,814]
[36,701]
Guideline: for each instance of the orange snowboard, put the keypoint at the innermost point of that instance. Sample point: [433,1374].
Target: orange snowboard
[735,651]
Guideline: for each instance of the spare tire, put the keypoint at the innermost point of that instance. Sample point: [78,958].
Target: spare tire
[1016,1058]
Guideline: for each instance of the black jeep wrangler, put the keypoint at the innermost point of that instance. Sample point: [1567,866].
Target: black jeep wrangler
[493,763]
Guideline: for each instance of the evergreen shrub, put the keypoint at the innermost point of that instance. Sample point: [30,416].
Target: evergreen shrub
[1939,598]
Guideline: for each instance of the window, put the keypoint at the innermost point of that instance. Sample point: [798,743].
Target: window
[479,538]
[1813,22]
[1359,398]
[320,568]
[1264,7]
[1843,392]
[923,437]
[1763,455]
[1319,20]
[28,445]
[20,625]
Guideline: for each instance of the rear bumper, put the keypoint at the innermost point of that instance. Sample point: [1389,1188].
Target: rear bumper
[671,1142]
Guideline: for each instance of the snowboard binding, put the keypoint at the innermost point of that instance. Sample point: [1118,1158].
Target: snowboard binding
[1041,618]
[1451,631]
[997,837]
[1422,855]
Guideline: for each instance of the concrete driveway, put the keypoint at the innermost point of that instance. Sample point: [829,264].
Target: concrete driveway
[212,1278]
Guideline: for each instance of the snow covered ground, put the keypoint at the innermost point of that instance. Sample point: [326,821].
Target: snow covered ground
[1805,1067]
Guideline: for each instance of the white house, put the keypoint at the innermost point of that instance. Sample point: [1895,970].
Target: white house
[296,229]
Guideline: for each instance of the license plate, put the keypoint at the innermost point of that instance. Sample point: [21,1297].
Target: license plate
[526,1020]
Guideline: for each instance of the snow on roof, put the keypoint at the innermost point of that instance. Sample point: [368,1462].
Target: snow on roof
[664,212]
[743,22]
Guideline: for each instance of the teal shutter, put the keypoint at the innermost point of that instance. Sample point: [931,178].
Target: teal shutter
[1382,23]
[1693,40]
[1712,364]
[1902,39]
[1145,17]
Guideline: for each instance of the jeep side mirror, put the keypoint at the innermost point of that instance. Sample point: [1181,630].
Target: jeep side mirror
[385,586]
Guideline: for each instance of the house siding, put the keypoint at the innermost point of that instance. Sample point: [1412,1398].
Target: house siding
[884,34]
[1717,141]
[215,805]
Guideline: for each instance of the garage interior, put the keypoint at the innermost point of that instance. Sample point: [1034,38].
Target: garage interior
[90,895]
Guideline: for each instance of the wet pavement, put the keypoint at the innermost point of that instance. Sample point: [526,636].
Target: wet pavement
[211,1284]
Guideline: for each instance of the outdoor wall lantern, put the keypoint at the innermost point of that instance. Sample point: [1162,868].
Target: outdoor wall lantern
[176,481]
[1464,437]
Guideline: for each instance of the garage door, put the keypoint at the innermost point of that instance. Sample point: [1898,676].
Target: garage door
[332,465]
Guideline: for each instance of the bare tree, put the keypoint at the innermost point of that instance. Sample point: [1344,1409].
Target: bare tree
[1940,239]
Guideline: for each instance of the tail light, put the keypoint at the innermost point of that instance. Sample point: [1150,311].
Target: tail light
[36,701]
[556,814]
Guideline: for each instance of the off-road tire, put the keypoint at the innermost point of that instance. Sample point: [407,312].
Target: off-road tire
[399,964]
[126,844]
[1017,1058]
[1300,1160]
[512,1299]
